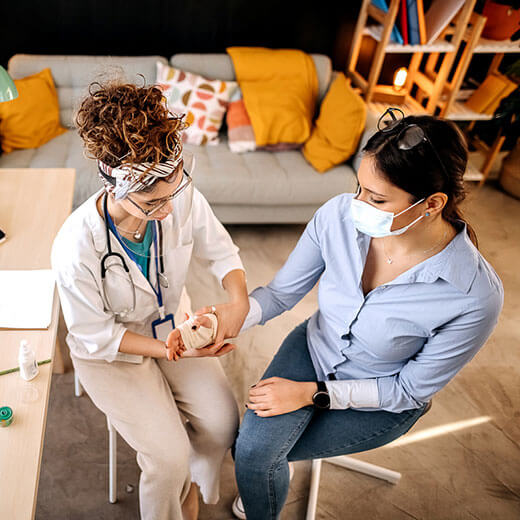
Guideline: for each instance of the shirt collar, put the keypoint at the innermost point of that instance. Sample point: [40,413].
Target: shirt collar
[457,263]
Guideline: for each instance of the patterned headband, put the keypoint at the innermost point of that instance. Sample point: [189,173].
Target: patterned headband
[129,178]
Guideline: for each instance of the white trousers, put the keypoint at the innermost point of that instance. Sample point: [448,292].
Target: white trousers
[180,417]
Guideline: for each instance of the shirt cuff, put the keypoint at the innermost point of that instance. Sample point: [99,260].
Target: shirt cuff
[353,393]
[254,316]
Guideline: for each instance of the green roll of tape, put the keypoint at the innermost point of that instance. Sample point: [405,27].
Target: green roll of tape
[6,416]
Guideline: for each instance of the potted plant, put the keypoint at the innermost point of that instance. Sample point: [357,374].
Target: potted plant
[503,19]
[507,117]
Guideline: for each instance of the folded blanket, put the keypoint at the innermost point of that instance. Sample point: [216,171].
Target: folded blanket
[280,88]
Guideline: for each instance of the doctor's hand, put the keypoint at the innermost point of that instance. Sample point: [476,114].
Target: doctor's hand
[208,351]
[230,318]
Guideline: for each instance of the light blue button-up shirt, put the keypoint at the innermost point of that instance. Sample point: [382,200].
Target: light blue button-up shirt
[394,348]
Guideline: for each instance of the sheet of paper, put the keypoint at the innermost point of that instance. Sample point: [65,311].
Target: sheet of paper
[26,299]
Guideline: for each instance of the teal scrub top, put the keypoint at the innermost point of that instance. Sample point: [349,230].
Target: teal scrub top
[141,249]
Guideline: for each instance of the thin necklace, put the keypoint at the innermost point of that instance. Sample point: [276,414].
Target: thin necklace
[136,234]
[390,261]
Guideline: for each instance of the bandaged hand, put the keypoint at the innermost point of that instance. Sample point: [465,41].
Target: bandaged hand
[198,331]
[194,333]
[198,341]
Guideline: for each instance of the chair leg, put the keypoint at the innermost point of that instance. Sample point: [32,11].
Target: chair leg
[112,463]
[366,468]
[78,389]
[313,490]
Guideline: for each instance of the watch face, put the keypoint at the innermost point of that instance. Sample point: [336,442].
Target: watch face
[321,399]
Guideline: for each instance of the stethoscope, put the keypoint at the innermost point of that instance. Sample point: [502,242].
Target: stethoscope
[162,280]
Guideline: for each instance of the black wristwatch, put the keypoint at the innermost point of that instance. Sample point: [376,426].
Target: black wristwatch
[321,398]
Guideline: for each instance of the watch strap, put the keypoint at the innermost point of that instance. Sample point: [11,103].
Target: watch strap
[322,387]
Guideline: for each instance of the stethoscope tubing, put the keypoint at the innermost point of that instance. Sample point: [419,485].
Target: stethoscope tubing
[161,278]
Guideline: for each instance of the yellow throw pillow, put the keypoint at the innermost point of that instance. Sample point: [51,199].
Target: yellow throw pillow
[338,129]
[33,118]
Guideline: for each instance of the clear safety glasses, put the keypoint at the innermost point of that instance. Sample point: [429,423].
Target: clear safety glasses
[182,196]
[185,187]
[409,136]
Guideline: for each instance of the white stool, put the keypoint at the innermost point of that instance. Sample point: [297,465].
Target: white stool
[345,462]
[112,449]
[350,463]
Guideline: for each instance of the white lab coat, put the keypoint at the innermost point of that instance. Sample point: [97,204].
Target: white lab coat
[94,331]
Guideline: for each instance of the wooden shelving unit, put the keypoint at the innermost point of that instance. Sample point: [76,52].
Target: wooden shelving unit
[428,89]
[447,45]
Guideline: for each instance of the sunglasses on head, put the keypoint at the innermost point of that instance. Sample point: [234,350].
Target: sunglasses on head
[408,135]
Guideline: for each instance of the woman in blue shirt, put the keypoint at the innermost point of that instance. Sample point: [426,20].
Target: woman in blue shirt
[405,300]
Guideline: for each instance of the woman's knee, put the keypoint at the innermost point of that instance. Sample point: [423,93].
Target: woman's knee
[253,450]
[217,428]
[168,462]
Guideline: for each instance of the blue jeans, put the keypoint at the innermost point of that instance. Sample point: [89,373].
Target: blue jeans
[265,445]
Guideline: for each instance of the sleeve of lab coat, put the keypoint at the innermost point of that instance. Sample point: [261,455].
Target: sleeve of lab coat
[84,313]
[211,241]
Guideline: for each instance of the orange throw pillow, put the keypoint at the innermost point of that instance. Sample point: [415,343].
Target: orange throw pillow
[33,118]
[338,128]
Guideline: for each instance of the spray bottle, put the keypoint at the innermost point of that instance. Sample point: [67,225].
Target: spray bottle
[27,360]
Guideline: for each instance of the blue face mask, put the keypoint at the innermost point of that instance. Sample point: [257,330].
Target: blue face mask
[376,222]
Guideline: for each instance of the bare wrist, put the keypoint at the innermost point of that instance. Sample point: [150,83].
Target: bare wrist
[159,349]
[308,391]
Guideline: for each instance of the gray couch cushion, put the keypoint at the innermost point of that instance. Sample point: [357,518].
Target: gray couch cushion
[259,178]
[220,66]
[265,178]
[64,151]
[73,74]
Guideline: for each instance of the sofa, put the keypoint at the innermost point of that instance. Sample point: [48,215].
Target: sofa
[255,187]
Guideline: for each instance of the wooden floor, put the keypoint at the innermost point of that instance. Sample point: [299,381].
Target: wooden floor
[462,460]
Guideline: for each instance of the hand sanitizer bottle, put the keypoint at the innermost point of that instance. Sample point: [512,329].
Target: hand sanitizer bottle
[27,360]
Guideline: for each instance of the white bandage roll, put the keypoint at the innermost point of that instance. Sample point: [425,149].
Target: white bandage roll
[201,337]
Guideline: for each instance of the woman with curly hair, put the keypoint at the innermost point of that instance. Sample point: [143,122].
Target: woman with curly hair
[121,261]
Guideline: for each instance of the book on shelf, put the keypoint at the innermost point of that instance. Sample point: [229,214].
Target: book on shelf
[487,97]
[419,22]
[395,35]
[403,17]
[414,36]
[422,21]
[439,15]
[416,22]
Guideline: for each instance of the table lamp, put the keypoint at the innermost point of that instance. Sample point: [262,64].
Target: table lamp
[8,90]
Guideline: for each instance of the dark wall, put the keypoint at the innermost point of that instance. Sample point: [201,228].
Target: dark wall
[166,27]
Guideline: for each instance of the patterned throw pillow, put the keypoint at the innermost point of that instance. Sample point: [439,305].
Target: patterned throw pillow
[204,101]
[241,137]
